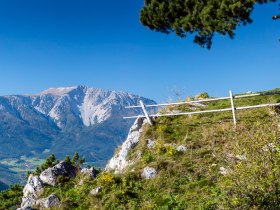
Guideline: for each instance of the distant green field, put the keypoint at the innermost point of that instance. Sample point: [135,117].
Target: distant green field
[15,169]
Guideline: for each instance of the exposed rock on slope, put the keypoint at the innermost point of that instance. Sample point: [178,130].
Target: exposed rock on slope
[90,172]
[96,191]
[149,173]
[50,176]
[119,161]
[32,190]
[49,202]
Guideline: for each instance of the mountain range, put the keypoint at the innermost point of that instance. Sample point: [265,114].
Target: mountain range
[62,121]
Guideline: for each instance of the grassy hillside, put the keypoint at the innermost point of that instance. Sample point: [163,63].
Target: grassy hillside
[223,167]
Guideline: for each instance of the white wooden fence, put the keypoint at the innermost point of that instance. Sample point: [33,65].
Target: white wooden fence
[232,108]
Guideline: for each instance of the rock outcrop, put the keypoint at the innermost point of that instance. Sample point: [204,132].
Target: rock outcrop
[35,186]
[151,144]
[223,171]
[96,191]
[119,161]
[87,173]
[91,172]
[149,173]
[181,148]
[50,175]
[49,202]
[32,190]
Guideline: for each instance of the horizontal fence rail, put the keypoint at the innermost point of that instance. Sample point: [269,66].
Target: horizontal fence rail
[203,112]
[232,108]
[197,101]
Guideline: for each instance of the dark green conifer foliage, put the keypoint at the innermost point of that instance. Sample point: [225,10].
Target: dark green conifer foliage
[203,18]
[67,159]
[11,198]
[49,162]
[77,160]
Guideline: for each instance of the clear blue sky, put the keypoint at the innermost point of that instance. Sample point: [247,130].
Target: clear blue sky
[54,43]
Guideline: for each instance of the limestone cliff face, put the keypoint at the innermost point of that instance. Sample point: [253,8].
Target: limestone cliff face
[119,161]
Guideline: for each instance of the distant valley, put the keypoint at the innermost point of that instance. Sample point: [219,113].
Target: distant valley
[61,121]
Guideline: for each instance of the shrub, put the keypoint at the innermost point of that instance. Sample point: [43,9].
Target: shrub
[203,95]
[77,161]
[73,197]
[168,149]
[161,129]
[49,162]
[67,159]
[147,157]
[11,197]
[107,179]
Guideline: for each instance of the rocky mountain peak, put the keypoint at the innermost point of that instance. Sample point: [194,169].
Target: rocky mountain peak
[60,91]
[81,105]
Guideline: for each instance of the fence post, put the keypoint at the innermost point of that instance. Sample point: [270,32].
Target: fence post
[145,112]
[232,107]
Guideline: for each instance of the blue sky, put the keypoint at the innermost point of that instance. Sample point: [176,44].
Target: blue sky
[56,43]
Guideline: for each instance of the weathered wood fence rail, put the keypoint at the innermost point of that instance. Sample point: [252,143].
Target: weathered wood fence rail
[232,108]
